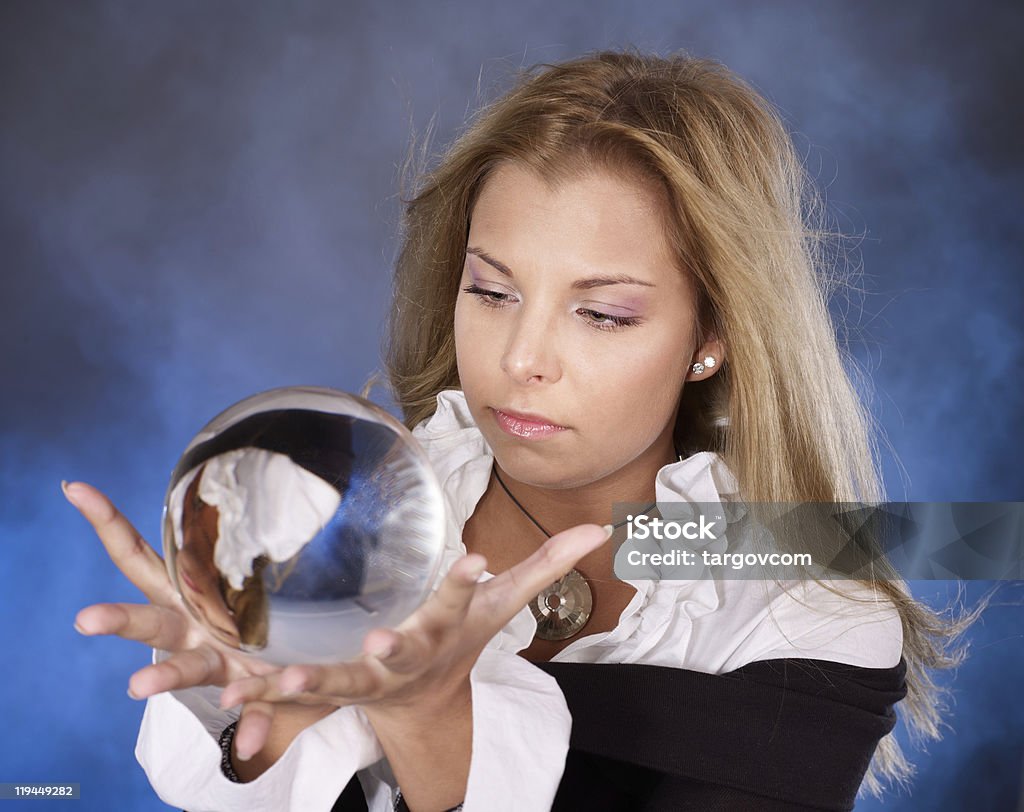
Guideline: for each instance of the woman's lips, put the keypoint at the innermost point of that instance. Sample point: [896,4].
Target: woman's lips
[524,427]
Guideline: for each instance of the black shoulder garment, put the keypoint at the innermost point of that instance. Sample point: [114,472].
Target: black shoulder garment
[789,734]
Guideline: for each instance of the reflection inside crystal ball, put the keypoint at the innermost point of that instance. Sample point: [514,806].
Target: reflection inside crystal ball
[298,520]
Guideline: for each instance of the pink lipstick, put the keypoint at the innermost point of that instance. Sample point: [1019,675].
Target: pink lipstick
[526,426]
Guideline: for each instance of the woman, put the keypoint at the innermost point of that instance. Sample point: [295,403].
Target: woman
[607,292]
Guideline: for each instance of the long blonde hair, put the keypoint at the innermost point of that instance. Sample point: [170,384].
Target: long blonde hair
[746,222]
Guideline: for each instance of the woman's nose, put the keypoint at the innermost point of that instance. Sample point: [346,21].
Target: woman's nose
[532,352]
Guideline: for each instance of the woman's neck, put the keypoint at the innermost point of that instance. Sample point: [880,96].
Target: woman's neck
[557,509]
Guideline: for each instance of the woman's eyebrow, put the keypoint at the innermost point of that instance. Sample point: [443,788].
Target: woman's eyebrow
[579,284]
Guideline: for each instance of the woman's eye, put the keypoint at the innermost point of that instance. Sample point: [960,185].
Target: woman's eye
[604,321]
[595,318]
[487,297]
[602,318]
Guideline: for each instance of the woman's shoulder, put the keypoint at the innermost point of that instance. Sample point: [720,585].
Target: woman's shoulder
[456,449]
[850,622]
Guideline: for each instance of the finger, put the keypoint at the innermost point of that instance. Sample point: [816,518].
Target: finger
[155,626]
[186,669]
[126,548]
[306,684]
[251,689]
[253,729]
[448,605]
[401,653]
[506,594]
[339,684]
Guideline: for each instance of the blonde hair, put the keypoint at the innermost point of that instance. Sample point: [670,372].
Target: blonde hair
[746,223]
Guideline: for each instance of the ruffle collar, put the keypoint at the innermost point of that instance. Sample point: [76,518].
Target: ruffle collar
[658,617]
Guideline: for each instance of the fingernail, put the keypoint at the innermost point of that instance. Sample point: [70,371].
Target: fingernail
[381,652]
[65,487]
[242,753]
[474,571]
[132,693]
[79,629]
[608,530]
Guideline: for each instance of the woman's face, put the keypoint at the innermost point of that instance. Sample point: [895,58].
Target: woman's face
[571,308]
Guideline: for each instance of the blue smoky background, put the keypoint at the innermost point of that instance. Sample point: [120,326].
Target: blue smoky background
[199,201]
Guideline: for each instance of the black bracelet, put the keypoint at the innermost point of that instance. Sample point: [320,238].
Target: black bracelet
[402,806]
[227,736]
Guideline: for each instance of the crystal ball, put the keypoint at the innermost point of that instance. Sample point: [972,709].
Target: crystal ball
[299,519]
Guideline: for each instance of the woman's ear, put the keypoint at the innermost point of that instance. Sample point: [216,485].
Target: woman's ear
[707,360]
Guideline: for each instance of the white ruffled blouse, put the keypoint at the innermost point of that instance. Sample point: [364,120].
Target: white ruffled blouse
[521,722]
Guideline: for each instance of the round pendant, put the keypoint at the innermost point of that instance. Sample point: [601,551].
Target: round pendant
[563,608]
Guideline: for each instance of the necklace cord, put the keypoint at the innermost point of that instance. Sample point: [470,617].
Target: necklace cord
[540,527]
[557,622]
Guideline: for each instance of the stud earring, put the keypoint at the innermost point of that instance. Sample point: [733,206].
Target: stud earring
[709,362]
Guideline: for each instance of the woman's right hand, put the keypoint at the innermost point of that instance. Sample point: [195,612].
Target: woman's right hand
[196,656]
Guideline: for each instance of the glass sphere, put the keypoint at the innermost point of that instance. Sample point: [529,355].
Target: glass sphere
[299,519]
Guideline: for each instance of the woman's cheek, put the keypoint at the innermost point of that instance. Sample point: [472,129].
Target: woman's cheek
[469,327]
